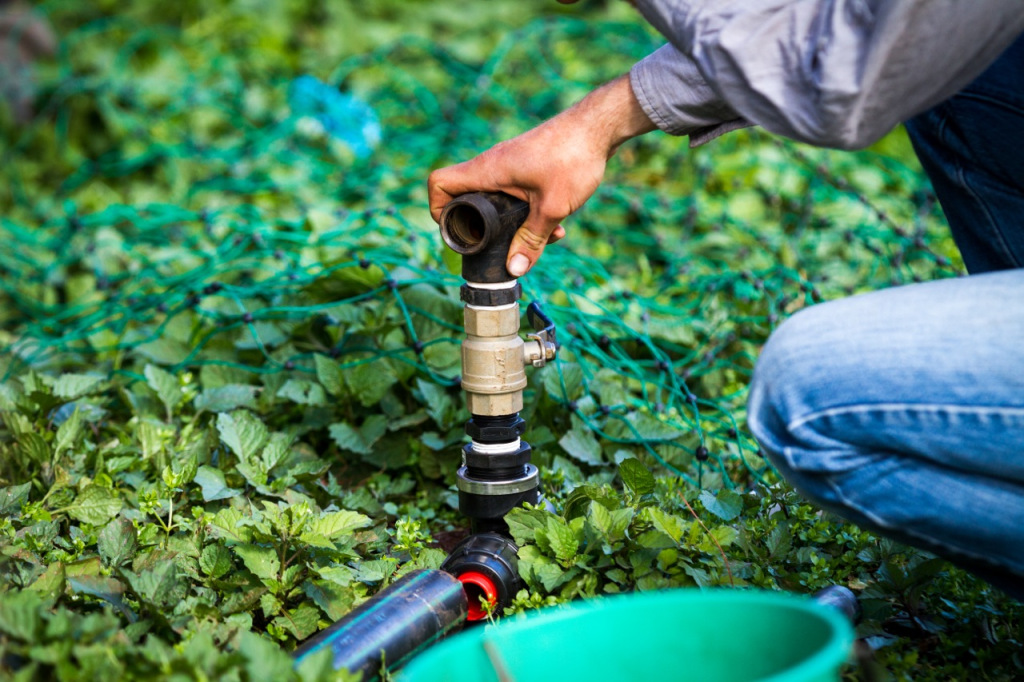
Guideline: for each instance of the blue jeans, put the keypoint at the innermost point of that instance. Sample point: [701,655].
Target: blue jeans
[902,410]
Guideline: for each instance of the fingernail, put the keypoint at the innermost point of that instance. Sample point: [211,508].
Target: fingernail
[518,266]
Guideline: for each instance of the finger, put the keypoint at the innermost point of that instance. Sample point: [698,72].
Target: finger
[529,242]
[557,235]
[438,193]
[474,175]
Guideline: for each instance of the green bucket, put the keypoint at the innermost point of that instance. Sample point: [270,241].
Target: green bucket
[719,635]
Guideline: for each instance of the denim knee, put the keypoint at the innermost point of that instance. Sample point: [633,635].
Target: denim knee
[788,380]
[791,386]
[900,410]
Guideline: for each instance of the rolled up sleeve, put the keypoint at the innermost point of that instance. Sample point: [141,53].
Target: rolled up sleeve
[836,73]
[674,95]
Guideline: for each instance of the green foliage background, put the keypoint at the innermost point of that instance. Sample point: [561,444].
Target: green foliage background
[228,397]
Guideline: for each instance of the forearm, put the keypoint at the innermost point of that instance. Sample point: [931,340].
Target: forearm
[610,115]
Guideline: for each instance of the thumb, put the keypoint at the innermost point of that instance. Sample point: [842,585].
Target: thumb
[529,242]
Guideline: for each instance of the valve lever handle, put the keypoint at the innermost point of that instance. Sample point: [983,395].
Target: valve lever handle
[541,323]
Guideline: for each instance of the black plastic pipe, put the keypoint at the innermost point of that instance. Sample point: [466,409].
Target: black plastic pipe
[394,624]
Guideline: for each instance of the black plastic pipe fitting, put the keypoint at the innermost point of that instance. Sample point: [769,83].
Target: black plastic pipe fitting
[487,565]
[480,226]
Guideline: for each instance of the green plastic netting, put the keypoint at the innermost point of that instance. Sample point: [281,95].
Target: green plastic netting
[199,218]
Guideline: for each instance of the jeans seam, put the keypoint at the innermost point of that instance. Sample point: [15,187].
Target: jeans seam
[988,98]
[909,531]
[942,112]
[893,407]
[983,208]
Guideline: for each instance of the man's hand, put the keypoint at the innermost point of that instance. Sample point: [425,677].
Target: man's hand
[555,167]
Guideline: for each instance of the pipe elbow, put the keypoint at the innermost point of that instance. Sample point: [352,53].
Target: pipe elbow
[480,227]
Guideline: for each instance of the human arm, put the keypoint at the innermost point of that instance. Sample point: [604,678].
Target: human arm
[555,167]
[838,73]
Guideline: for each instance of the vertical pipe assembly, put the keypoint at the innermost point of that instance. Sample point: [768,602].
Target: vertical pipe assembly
[496,474]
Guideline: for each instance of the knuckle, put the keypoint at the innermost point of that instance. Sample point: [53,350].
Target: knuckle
[531,240]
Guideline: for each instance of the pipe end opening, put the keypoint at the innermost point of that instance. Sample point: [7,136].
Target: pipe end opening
[464,228]
[479,588]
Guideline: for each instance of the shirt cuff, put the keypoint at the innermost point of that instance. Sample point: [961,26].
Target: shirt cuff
[677,99]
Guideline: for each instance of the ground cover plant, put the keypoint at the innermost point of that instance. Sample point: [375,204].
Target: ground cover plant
[229,403]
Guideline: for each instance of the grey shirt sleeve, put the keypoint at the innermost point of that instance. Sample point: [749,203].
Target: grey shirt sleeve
[836,73]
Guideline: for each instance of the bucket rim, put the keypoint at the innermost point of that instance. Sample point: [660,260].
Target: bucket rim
[824,661]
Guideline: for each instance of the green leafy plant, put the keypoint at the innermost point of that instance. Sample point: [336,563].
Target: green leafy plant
[229,407]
